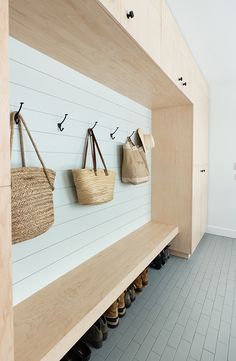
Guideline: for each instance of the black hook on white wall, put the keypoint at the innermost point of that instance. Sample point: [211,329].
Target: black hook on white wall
[131,135]
[60,124]
[94,125]
[112,134]
[18,112]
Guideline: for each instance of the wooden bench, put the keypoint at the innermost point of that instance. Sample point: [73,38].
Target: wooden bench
[51,321]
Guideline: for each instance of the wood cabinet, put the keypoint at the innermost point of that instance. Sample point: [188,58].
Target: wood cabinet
[200,131]
[200,209]
[145,25]
[113,6]
[176,58]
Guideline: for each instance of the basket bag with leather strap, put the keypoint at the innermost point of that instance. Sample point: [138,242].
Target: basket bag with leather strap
[93,186]
[32,197]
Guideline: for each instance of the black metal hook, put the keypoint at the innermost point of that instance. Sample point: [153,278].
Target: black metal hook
[94,125]
[17,113]
[131,134]
[112,134]
[60,124]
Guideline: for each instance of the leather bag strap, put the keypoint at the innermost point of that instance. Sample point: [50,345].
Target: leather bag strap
[22,122]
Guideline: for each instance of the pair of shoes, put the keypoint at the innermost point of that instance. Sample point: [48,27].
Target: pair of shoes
[112,316]
[141,281]
[79,352]
[130,295]
[97,333]
[116,311]
[131,291]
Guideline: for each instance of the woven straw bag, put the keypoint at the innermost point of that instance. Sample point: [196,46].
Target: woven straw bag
[134,164]
[32,197]
[93,186]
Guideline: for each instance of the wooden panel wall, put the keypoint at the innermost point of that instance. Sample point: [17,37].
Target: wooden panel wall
[172,172]
[6,326]
[49,90]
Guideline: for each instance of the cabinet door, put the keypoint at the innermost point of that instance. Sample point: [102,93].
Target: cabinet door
[145,25]
[199,204]
[113,7]
[200,131]
[176,58]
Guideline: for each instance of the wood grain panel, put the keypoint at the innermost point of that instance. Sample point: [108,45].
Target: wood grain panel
[4,110]
[76,300]
[6,326]
[145,27]
[113,6]
[103,50]
[172,172]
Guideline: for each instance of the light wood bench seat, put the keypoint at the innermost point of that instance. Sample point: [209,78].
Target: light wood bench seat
[48,323]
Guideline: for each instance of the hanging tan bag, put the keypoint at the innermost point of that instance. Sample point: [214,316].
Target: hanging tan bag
[93,186]
[32,197]
[134,164]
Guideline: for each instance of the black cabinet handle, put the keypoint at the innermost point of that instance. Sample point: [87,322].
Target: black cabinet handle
[203,170]
[185,84]
[180,79]
[130,14]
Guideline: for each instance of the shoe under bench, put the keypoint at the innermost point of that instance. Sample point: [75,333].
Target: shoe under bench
[49,323]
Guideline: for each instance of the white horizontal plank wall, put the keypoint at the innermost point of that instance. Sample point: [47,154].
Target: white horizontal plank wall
[50,89]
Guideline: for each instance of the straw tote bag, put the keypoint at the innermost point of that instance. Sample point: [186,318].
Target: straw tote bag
[93,186]
[32,197]
[134,164]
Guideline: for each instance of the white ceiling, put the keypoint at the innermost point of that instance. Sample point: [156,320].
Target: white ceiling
[209,27]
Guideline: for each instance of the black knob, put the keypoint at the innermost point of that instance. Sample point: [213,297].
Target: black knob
[130,14]
[203,170]
[180,79]
[185,84]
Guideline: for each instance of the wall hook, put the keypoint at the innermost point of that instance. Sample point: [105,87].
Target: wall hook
[94,125]
[112,134]
[60,124]
[131,135]
[18,112]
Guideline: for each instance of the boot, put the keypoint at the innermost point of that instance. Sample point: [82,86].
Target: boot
[131,290]
[83,352]
[127,299]
[156,263]
[144,276]
[138,284]
[163,258]
[70,356]
[121,305]
[94,336]
[104,327]
[112,316]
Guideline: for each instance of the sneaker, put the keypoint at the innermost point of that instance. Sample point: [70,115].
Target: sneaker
[144,276]
[112,316]
[121,305]
[94,336]
[138,284]
[127,299]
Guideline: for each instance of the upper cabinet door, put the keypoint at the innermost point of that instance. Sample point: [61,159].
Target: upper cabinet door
[113,6]
[142,20]
[176,58]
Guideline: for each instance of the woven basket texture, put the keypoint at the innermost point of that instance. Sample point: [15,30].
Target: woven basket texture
[94,189]
[32,202]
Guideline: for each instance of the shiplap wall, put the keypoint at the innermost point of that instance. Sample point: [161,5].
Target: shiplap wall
[49,90]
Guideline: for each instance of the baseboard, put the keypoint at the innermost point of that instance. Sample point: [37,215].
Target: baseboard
[179,254]
[219,231]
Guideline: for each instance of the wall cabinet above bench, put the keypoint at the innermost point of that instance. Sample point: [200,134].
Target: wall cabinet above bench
[153,26]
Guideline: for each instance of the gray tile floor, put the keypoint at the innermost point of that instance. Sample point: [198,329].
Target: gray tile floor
[187,312]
